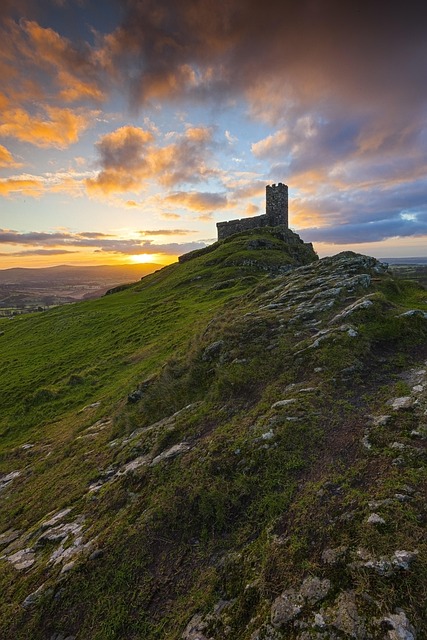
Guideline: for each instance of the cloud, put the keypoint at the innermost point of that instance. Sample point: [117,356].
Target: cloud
[60,241]
[169,249]
[210,49]
[28,187]
[37,252]
[59,129]
[129,158]
[70,182]
[166,232]
[366,232]
[245,187]
[6,159]
[198,200]
[230,138]
[367,215]
[170,216]
[122,156]
[272,146]
[252,209]
[342,86]
[73,71]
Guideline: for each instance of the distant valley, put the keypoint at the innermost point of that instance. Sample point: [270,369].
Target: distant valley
[28,290]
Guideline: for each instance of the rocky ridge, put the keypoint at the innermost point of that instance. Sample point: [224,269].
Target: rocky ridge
[329,395]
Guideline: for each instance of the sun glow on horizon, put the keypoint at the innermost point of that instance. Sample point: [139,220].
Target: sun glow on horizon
[147,258]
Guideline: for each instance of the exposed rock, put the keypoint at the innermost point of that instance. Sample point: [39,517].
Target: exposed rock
[344,616]
[195,628]
[405,402]
[134,464]
[8,478]
[34,597]
[374,518]
[399,627]
[414,312]
[266,632]
[398,462]
[68,567]
[385,502]
[363,303]
[314,589]
[319,620]
[174,451]
[386,565]
[60,532]
[94,405]
[365,441]
[286,608]
[379,421]
[333,556]
[283,403]
[66,554]
[402,497]
[403,559]
[22,559]
[213,350]
[9,536]
[268,435]
[135,396]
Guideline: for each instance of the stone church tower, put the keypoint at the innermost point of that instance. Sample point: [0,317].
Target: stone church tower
[276,214]
[276,205]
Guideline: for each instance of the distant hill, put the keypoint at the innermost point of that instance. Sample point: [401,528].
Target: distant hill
[411,260]
[233,448]
[70,274]
[24,290]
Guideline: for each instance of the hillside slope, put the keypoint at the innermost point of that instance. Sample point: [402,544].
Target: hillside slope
[232,448]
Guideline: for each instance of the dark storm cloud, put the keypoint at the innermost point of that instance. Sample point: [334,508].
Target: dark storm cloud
[353,51]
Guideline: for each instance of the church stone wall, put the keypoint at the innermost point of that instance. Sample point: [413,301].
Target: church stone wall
[276,215]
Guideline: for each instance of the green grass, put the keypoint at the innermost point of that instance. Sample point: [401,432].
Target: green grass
[242,515]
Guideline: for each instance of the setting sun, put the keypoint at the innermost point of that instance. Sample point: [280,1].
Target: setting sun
[142,258]
[151,258]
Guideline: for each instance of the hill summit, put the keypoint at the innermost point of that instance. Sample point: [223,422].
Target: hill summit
[233,447]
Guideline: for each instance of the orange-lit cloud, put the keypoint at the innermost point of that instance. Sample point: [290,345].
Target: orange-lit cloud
[6,159]
[252,209]
[129,157]
[166,232]
[268,146]
[198,200]
[61,128]
[170,216]
[123,158]
[75,68]
[69,182]
[22,186]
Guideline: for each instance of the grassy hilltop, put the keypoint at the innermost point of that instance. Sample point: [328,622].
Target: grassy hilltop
[233,447]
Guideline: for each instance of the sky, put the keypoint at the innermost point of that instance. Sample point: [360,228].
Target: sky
[129,128]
